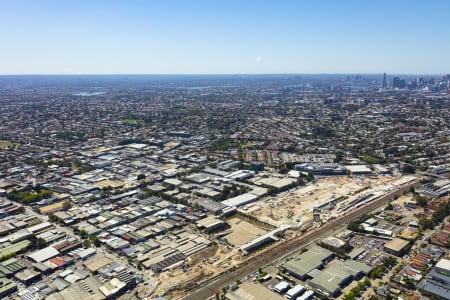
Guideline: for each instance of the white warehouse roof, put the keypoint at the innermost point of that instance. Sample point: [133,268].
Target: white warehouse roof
[240,200]
[44,254]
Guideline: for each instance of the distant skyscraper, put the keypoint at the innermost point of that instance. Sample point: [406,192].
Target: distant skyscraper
[384,80]
[398,83]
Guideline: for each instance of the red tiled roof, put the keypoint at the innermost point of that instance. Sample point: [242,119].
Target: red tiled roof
[58,261]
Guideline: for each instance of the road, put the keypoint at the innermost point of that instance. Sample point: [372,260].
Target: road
[215,284]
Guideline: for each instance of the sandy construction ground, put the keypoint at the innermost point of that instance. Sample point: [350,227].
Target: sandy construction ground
[243,232]
[407,212]
[292,206]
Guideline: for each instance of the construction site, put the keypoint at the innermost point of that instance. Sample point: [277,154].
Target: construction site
[327,195]
[290,212]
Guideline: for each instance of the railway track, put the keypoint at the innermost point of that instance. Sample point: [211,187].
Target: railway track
[215,284]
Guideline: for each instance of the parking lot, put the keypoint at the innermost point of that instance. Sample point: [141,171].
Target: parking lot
[373,249]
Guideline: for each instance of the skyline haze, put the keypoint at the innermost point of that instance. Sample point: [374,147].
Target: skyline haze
[224,37]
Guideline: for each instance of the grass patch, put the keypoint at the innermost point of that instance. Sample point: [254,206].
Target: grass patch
[7,144]
[136,122]
[133,122]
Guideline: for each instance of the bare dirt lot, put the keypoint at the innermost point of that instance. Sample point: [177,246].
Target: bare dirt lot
[409,214]
[290,206]
[243,232]
[294,205]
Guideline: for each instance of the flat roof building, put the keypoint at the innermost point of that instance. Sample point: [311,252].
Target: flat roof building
[334,242]
[14,248]
[252,291]
[294,292]
[306,296]
[437,282]
[112,287]
[377,230]
[396,247]
[210,205]
[356,252]
[443,266]
[282,287]
[210,224]
[44,254]
[97,262]
[331,280]
[28,276]
[358,169]
[240,200]
[315,258]
[321,169]
[7,287]
[40,227]
[10,266]
[371,222]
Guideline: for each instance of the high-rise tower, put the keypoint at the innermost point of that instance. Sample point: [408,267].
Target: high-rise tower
[384,81]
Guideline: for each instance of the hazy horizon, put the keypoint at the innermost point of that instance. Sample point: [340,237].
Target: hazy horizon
[231,74]
[200,37]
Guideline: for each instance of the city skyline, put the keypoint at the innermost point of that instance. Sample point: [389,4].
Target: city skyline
[201,37]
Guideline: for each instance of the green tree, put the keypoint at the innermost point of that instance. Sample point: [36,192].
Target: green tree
[52,218]
[420,200]
[76,230]
[83,233]
[408,169]
[338,156]
[356,290]
[86,243]
[425,223]
[67,205]
[409,284]
[349,296]
[138,265]
[41,243]
[95,240]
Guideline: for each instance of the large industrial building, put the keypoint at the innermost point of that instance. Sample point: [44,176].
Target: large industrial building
[313,259]
[252,291]
[211,224]
[327,279]
[240,200]
[358,169]
[332,279]
[43,254]
[321,169]
[435,189]
[210,205]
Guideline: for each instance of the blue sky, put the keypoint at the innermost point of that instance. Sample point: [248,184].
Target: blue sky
[224,36]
